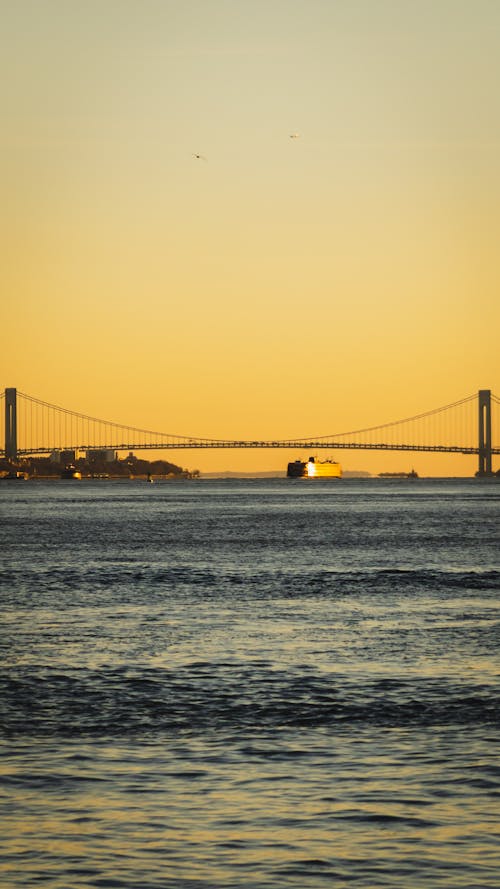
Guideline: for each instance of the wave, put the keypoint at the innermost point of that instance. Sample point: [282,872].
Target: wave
[156,580]
[121,702]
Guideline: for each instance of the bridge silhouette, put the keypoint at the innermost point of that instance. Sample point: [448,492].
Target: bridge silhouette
[33,427]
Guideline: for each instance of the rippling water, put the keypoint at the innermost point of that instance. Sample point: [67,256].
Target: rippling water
[250,684]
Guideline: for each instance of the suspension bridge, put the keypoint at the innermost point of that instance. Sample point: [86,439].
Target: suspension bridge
[33,427]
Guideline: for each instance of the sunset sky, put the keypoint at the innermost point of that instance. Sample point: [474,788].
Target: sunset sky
[274,287]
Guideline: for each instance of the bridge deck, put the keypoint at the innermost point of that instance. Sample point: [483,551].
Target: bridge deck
[288,445]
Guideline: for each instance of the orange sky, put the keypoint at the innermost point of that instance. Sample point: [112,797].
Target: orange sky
[337,280]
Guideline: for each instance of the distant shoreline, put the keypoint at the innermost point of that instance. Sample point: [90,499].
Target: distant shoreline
[248,476]
[277,473]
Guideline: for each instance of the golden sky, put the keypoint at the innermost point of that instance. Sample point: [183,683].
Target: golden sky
[275,287]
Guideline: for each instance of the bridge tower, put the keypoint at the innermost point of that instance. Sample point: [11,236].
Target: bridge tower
[484,430]
[11,424]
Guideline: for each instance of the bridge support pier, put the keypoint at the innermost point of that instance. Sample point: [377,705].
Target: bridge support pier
[11,424]
[484,429]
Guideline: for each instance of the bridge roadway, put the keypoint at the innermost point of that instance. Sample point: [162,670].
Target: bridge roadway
[291,444]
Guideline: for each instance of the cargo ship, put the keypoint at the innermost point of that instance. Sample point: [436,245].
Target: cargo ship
[314,468]
[411,474]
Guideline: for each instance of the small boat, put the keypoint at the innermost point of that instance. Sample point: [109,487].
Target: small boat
[15,476]
[71,471]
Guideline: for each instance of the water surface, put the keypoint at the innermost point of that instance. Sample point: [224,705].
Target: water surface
[250,684]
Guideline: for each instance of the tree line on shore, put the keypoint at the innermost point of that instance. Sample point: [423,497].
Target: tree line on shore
[129,467]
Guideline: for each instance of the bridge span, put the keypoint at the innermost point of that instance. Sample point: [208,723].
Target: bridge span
[33,427]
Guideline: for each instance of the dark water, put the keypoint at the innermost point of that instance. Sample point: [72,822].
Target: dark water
[250,684]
